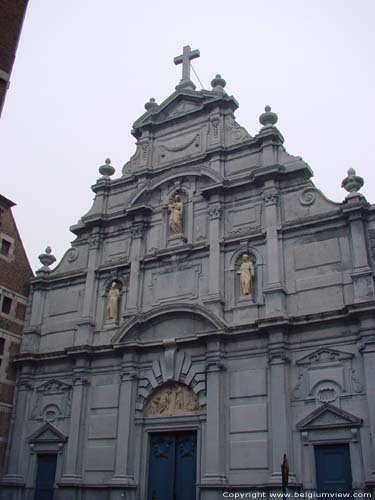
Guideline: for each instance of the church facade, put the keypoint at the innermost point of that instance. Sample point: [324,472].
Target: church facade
[215,312]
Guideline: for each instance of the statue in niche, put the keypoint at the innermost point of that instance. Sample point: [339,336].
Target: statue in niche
[175,210]
[247,273]
[171,401]
[113,301]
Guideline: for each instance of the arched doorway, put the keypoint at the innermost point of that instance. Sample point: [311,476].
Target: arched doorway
[172,456]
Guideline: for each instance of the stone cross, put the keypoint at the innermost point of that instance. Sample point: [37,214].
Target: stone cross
[184,59]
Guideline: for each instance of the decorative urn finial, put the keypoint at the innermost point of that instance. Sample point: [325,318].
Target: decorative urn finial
[218,83]
[151,105]
[46,259]
[352,183]
[107,170]
[268,118]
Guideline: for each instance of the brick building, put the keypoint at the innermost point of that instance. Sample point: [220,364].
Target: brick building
[15,274]
[12,13]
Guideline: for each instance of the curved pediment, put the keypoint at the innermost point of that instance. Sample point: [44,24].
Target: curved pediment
[166,322]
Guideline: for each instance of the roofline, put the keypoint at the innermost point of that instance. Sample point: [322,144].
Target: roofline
[6,202]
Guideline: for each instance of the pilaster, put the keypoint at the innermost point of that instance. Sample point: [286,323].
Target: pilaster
[86,323]
[72,466]
[16,462]
[138,230]
[214,467]
[362,276]
[124,473]
[215,297]
[367,349]
[274,290]
[279,425]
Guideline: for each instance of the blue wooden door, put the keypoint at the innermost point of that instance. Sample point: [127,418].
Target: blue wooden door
[172,466]
[186,466]
[45,477]
[333,469]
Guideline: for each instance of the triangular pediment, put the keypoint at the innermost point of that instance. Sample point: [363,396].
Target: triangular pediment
[324,355]
[181,103]
[328,416]
[53,386]
[47,433]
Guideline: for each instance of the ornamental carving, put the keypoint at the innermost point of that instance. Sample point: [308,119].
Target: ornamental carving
[271,197]
[171,401]
[72,254]
[215,212]
[308,196]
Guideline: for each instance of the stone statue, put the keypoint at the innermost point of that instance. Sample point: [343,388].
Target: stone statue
[175,209]
[246,273]
[113,301]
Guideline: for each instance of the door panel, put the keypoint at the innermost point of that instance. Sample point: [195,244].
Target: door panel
[45,477]
[333,469]
[186,466]
[161,467]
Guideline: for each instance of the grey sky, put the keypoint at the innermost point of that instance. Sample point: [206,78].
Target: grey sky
[85,68]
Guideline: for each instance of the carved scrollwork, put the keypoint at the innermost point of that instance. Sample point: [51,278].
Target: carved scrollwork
[308,196]
[72,254]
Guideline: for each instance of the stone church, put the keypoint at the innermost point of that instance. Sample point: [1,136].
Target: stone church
[214,312]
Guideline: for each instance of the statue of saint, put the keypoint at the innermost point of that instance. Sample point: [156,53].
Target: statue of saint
[113,301]
[175,209]
[246,273]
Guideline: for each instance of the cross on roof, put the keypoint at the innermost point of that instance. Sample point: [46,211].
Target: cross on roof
[184,59]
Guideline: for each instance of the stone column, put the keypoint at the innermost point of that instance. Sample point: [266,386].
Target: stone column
[17,460]
[86,323]
[367,349]
[274,290]
[214,468]
[279,425]
[72,472]
[137,232]
[124,473]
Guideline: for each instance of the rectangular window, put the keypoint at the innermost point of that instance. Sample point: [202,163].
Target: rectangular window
[7,304]
[5,247]
[20,311]
[2,344]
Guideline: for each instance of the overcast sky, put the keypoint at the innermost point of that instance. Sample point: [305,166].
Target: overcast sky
[85,68]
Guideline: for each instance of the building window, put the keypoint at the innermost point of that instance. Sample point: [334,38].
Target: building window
[6,306]
[5,247]
[2,344]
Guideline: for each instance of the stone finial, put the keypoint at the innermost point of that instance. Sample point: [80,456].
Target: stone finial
[218,83]
[352,183]
[107,170]
[151,105]
[47,259]
[268,118]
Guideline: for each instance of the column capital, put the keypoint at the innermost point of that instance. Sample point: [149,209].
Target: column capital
[215,210]
[270,196]
[138,229]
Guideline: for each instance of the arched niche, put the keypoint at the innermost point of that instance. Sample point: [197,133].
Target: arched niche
[172,400]
[106,287]
[234,282]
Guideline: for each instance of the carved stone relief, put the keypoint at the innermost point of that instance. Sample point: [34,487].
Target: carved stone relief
[172,400]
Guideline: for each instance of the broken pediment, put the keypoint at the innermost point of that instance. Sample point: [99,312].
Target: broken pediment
[328,416]
[48,434]
[324,355]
